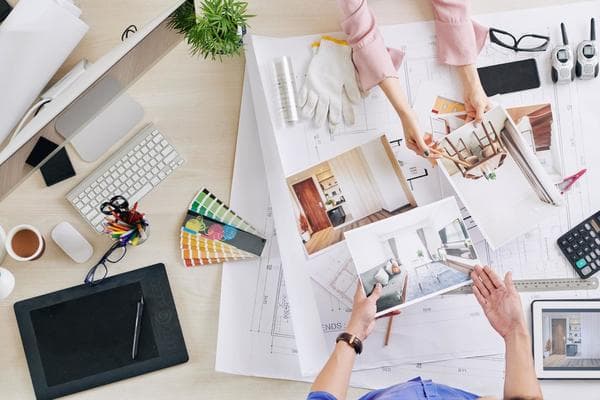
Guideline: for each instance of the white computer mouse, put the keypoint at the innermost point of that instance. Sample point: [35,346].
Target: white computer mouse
[72,242]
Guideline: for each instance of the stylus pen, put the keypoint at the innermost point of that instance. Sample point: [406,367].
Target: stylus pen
[138,328]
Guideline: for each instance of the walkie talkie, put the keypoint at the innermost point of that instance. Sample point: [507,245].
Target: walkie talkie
[562,60]
[586,66]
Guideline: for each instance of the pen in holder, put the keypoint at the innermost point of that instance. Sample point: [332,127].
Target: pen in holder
[125,226]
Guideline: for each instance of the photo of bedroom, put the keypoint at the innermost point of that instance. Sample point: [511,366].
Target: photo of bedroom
[414,256]
[571,339]
[353,189]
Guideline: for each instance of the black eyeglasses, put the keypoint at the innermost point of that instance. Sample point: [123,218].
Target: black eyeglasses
[98,272]
[530,42]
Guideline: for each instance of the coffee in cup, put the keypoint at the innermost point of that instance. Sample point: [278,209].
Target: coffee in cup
[25,243]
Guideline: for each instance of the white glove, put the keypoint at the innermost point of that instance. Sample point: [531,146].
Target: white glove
[330,88]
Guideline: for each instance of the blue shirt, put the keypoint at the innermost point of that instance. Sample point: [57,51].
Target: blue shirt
[415,389]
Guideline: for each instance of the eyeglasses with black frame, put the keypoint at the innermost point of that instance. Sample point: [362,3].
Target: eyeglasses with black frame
[530,42]
[98,272]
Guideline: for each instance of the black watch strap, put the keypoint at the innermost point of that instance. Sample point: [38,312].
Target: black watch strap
[352,341]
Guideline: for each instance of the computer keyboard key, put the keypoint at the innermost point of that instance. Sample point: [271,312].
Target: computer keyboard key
[141,193]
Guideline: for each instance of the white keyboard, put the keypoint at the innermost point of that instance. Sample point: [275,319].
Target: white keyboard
[132,172]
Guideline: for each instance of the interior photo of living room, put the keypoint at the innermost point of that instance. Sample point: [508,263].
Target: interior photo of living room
[356,188]
[571,339]
[415,255]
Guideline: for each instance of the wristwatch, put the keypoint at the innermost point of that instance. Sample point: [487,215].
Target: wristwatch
[352,340]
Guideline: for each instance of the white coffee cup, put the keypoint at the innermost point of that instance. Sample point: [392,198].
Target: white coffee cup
[26,250]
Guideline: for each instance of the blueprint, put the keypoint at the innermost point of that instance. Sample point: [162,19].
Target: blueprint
[256,336]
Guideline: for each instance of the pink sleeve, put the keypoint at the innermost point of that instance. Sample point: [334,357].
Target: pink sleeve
[459,39]
[372,60]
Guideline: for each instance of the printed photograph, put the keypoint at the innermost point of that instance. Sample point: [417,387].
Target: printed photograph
[498,176]
[356,188]
[414,256]
[571,340]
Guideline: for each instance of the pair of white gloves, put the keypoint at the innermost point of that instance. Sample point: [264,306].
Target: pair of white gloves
[330,89]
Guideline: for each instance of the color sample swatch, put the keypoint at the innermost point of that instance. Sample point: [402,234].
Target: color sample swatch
[212,233]
[207,204]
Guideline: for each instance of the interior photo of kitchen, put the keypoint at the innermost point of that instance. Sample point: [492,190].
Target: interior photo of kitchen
[571,340]
[353,189]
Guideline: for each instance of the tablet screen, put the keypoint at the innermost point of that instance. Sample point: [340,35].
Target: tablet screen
[92,334]
[571,339]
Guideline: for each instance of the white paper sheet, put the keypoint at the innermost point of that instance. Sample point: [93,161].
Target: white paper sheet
[35,40]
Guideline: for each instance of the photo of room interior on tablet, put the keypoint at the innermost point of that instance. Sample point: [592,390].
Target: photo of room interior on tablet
[571,339]
[356,188]
[414,256]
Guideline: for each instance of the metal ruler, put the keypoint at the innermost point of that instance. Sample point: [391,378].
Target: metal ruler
[544,285]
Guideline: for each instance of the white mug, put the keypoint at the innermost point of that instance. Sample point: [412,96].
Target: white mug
[37,253]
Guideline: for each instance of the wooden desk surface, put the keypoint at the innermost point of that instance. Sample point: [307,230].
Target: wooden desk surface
[193,102]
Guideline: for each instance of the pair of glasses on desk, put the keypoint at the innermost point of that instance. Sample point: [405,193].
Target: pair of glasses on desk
[530,42]
[98,272]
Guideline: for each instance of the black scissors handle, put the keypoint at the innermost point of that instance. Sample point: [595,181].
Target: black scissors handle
[117,204]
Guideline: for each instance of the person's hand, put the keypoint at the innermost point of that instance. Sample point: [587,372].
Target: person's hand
[362,320]
[500,301]
[415,140]
[476,101]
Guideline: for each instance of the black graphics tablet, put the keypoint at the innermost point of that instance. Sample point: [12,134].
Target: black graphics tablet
[82,337]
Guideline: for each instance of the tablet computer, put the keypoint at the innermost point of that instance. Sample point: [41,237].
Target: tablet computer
[82,337]
[566,338]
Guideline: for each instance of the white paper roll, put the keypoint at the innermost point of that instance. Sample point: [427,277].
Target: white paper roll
[35,40]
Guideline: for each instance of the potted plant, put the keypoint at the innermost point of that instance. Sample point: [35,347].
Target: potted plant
[212,28]
[547,348]
[303,225]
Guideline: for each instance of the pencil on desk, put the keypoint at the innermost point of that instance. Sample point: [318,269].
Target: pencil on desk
[389,331]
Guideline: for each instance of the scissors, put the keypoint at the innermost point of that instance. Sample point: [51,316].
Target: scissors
[117,205]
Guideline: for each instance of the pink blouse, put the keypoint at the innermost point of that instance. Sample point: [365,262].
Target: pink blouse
[459,39]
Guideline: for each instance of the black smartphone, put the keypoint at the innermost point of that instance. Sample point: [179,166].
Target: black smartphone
[5,9]
[509,77]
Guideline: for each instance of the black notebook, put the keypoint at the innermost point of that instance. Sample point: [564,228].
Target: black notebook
[82,337]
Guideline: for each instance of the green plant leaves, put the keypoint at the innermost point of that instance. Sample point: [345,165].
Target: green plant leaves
[216,32]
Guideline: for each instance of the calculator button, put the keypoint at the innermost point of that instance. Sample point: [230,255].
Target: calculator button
[580,253]
[564,242]
[586,238]
[586,250]
[587,226]
[594,256]
[593,234]
[570,238]
[597,240]
[597,263]
[581,263]
[597,251]
[569,250]
[586,270]
[588,258]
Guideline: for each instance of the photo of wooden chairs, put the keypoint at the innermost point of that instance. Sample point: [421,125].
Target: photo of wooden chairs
[477,155]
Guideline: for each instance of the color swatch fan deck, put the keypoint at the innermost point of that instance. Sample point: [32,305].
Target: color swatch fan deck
[212,233]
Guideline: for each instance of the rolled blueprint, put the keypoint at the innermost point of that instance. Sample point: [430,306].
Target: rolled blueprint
[35,40]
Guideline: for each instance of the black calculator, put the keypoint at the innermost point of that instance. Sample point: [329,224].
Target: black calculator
[581,246]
